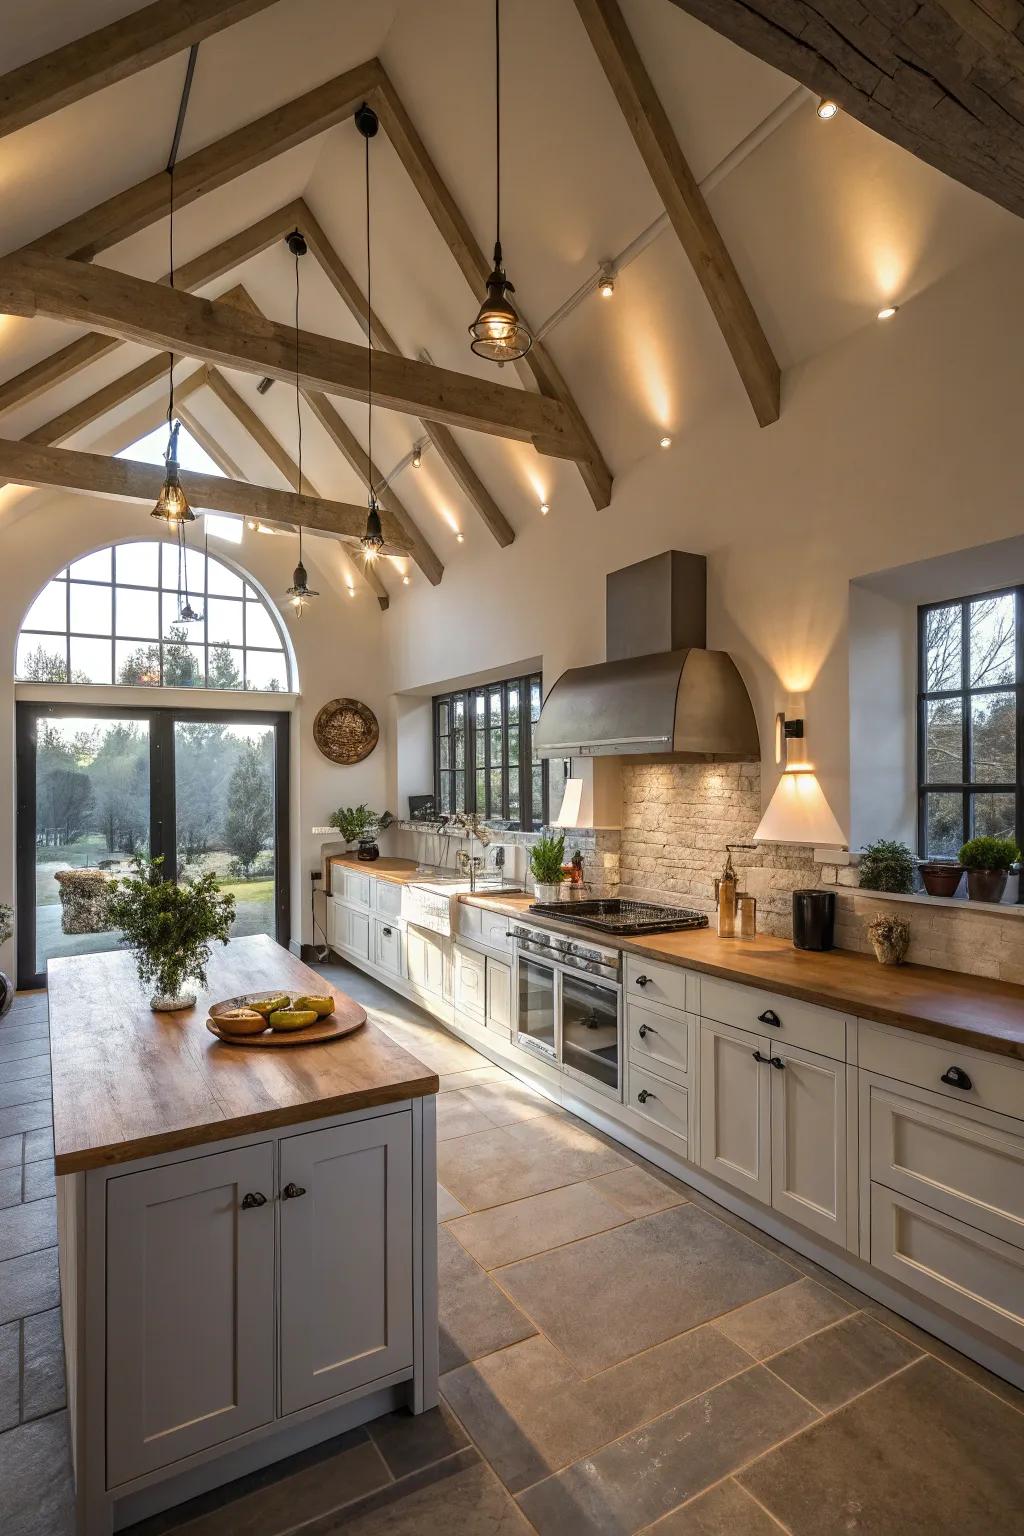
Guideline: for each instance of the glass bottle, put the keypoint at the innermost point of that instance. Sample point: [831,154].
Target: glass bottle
[727,900]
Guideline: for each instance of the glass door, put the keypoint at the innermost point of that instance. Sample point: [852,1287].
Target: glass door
[535,1007]
[591,1038]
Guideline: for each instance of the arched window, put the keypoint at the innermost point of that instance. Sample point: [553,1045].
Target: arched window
[115,617]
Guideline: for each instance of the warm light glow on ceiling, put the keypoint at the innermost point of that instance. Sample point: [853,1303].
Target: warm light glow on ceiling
[460,538]
[405,581]
[665,442]
[545,508]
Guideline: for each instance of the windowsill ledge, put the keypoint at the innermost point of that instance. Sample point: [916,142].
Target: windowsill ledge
[958,903]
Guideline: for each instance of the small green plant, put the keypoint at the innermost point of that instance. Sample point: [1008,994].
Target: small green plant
[546,859]
[887,866]
[358,821]
[989,853]
[169,927]
[6,921]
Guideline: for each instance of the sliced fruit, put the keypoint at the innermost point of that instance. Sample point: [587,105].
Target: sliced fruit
[319,1002]
[241,1021]
[270,1004]
[292,1018]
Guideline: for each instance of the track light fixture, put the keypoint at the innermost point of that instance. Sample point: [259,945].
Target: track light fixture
[827,108]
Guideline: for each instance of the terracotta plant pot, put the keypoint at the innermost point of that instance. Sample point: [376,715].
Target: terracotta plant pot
[942,879]
[986,884]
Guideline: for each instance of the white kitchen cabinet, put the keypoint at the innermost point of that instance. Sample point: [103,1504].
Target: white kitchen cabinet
[427,960]
[808,1140]
[346,1315]
[658,1039]
[190,1307]
[387,898]
[389,946]
[499,997]
[469,982]
[735,1109]
[349,930]
[356,888]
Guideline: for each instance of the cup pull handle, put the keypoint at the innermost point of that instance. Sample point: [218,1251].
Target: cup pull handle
[956,1077]
[770,1017]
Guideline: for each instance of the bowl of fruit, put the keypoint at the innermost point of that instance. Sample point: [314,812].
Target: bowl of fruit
[281,1018]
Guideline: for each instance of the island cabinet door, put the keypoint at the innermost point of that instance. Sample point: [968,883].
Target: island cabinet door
[190,1307]
[346,1258]
[735,1108]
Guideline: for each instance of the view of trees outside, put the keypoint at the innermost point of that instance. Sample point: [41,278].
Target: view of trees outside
[970,670]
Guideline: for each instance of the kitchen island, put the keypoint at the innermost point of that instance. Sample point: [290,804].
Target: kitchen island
[247,1236]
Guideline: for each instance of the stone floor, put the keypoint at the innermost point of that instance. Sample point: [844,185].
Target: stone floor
[619,1354]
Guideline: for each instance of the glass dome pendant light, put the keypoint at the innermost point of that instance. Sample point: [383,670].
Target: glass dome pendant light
[300,593]
[498,332]
[372,541]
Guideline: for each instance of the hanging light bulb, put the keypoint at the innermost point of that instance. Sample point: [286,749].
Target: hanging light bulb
[417,457]
[300,594]
[498,332]
[372,541]
[172,503]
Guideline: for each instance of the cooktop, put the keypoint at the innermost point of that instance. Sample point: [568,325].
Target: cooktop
[615,915]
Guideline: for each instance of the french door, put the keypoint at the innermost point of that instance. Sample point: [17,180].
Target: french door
[203,789]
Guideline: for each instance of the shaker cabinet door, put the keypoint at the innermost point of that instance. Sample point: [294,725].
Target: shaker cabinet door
[809,1141]
[190,1307]
[346,1258]
[735,1108]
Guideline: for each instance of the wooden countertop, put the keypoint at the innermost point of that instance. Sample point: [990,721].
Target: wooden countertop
[947,1005]
[129,1083]
[396,871]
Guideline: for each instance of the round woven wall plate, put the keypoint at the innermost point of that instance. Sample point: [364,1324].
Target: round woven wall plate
[346,731]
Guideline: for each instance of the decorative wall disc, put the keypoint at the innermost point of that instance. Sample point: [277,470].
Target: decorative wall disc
[346,731]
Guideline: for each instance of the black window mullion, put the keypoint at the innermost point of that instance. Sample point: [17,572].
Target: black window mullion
[525,757]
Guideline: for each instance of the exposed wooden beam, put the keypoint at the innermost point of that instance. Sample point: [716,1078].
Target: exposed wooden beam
[442,438]
[944,79]
[112,53]
[207,169]
[32,283]
[684,203]
[127,480]
[85,412]
[205,268]
[457,234]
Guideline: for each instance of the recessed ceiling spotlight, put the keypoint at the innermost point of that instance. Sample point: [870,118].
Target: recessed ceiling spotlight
[460,538]
[665,442]
[405,581]
[827,109]
[417,457]
[351,591]
[606,284]
[263,386]
[545,508]
[251,524]
[887,311]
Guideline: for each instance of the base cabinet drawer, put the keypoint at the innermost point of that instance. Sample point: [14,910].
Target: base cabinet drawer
[783,1019]
[652,981]
[660,1041]
[469,982]
[965,1076]
[973,1274]
[387,898]
[356,888]
[499,997]
[494,931]
[388,948]
[666,1105]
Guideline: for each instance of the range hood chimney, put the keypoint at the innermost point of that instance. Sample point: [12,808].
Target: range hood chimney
[660,693]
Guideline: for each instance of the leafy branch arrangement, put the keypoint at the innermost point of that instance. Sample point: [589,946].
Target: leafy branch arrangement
[358,821]
[887,866]
[546,859]
[170,927]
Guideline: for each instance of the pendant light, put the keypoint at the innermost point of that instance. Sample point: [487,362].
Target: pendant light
[498,333]
[372,541]
[300,592]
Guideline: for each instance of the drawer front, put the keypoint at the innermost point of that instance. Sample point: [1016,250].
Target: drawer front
[494,931]
[655,982]
[973,1274]
[958,1158]
[470,983]
[779,1018]
[358,937]
[356,888]
[467,921]
[499,997]
[387,898]
[387,938]
[994,1083]
[659,1040]
[665,1105]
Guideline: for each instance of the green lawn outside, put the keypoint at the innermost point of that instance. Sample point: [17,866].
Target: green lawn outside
[249,890]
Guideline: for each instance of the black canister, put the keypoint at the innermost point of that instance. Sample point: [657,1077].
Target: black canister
[814,919]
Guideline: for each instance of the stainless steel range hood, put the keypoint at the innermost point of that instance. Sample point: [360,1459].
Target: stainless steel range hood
[660,693]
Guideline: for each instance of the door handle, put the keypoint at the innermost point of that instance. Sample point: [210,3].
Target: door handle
[643,981]
[292,1192]
[758,1057]
[778,1063]
[251,1201]
[645,1030]
[770,1017]
[956,1077]
[644,1095]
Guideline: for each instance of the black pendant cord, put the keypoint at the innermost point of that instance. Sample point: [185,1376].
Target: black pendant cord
[298,399]
[172,160]
[369,334]
[497,132]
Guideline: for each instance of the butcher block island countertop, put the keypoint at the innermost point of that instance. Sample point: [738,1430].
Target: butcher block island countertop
[129,1083]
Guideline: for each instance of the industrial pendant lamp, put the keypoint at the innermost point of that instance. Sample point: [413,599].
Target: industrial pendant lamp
[300,593]
[172,503]
[372,541]
[498,333]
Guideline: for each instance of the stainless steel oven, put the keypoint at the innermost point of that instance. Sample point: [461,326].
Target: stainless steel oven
[568,1006]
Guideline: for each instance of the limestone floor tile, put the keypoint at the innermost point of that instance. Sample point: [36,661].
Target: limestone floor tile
[831,1367]
[408,1441]
[947,1354]
[10,1186]
[456,1116]
[640,1478]
[25,1090]
[453,1499]
[773,1323]
[39,1144]
[474,1317]
[24,1228]
[43,1364]
[447,1205]
[564,1143]
[24,1050]
[24,1026]
[10,1375]
[453,1081]
[531,1413]
[39,1181]
[35,1476]
[28,1284]
[637,1192]
[642,1284]
[25,1117]
[523,1227]
[926,1452]
[509,1102]
[10,1150]
[490,1168]
[726,1510]
[30,1066]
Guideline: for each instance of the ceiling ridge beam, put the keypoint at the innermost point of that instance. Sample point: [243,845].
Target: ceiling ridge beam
[684,203]
[207,169]
[202,269]
[101,58]
[377,335]
[33,283]
[458,236]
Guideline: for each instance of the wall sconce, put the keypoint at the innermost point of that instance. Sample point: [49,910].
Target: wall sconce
[798,811]
[785,732]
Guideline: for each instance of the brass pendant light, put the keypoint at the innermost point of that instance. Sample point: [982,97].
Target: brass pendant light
[498,332]
[300,593]
[172,503]
[372,541]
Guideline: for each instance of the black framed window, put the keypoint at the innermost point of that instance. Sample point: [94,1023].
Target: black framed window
[970,692]
[483,755]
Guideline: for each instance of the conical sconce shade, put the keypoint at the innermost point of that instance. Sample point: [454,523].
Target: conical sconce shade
[799,813]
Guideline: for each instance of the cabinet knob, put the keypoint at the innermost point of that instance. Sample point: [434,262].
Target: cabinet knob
[645,1030]
[292,1192]
[770,1017]
[251,1201]
[386,932]
[643,981]
[758,1057]
[778,1063]
[644,1095]
[956,1077]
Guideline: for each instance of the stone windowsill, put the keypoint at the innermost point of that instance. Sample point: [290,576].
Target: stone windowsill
[957,903]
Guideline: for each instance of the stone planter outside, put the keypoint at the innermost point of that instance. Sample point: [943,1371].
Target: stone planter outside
[986,884]
[84,894]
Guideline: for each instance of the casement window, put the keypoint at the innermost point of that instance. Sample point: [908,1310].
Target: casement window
[970,680]
[483,755]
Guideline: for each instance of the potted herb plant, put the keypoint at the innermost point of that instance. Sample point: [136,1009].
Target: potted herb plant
[890,939]
[6,932]
[358,824]
[546,859]
[988,861]
[169,927]
[887,865]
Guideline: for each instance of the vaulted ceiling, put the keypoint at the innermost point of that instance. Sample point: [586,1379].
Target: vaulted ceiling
[820,224]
